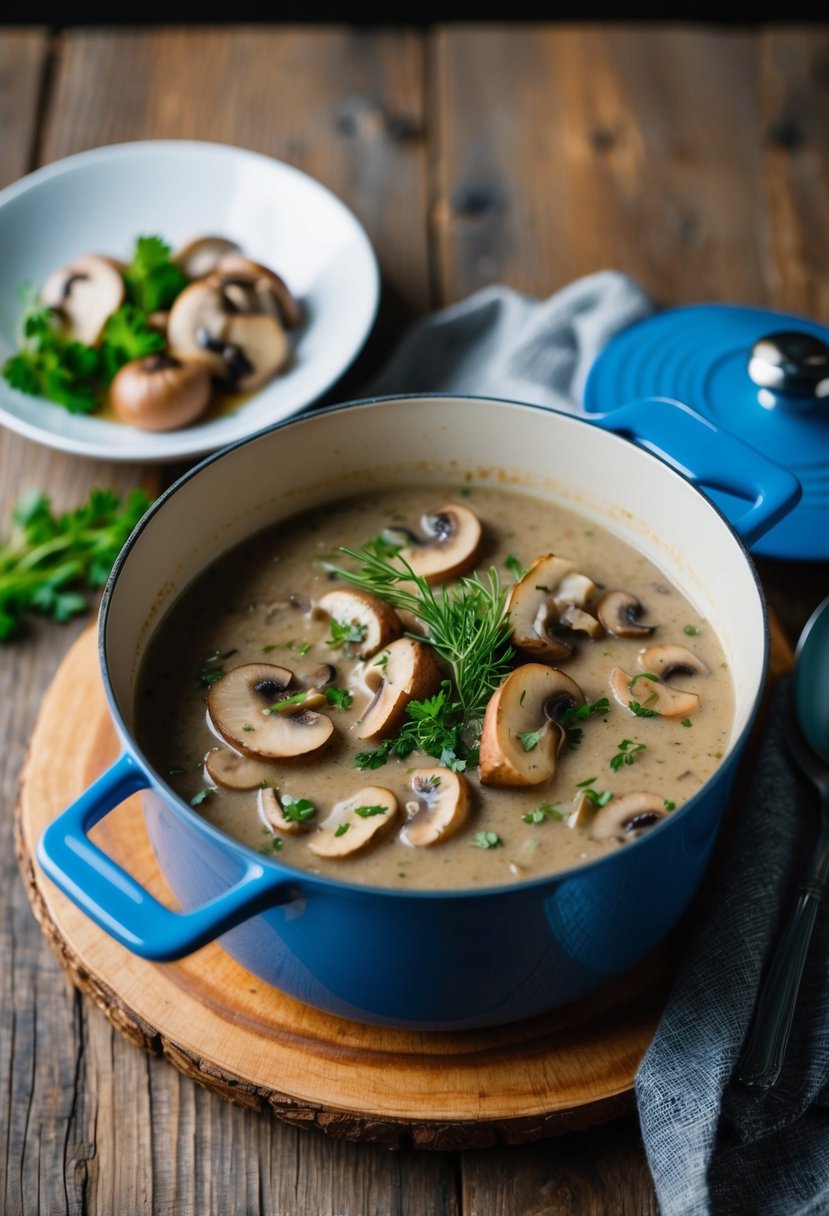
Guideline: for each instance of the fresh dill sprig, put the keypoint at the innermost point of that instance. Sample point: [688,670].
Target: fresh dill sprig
[468,624]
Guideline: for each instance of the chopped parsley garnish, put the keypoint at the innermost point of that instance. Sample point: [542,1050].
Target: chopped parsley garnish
[642,711]
[210,671]
[303,649]
[199,798]
[514,566]
[580,785]
[541,814]
[297,698]
[530,739]
[687,722]
[153,279]
[297,810]
[587,710]
[345,632]
[342,829]
[248,727]
[382,547]
[274,845]
[627,753]
[382,662]
[340,698]
[368,812]
[486,840]
[690,630]
[668,805]
[598,797]
[434,726]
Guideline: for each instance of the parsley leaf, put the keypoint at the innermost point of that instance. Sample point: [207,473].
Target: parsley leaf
[514,566]
[297,810]
[126,336]
[199,798]
[627,752]
[343,632]
[51,559]
[153,280]
[541,814]
[641,711]
[340,698]
[368,812]
[342,829]
[486,840]
[530,739]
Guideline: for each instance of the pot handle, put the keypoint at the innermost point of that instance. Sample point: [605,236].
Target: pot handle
[119,904]
[712,458]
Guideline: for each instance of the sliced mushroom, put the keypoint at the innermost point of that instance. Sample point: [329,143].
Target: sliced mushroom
[355,823]
[240,704]
[410,673]
[669,659]
[260,288]
[628,817]
[84,295]
[199,257]
[243,351]
[551,595]
[320,677]
[522,734]
[583,812]
[453,539]
[581,622]
[618,612]
[160,393]
[652,696]
[234,772]
[375,623]
[439,809]
[272,814]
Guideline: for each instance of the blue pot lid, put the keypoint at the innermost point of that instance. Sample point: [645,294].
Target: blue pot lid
[773,394]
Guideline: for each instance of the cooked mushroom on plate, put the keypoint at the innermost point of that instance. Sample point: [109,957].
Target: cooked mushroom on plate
[494,696]
[156,341]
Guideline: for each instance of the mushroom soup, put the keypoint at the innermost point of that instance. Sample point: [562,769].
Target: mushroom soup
[382,717]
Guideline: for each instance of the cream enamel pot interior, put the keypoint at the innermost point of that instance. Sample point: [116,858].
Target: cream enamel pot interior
[427,960]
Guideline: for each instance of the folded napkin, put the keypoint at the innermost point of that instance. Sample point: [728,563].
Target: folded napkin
[713,1150]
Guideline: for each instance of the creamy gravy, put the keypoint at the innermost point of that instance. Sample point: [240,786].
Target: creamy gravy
[240,610]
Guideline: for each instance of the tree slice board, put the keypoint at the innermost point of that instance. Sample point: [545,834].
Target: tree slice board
[251,1044]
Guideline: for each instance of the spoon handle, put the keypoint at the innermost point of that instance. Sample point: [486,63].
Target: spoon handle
[763,1051]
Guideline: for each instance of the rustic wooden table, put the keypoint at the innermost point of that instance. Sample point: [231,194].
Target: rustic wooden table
[696,160]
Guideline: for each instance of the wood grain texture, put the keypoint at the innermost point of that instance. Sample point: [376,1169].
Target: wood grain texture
[568,150]
[246,1041]
[24,57]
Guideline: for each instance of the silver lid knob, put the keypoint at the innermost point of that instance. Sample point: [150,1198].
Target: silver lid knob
[792,364]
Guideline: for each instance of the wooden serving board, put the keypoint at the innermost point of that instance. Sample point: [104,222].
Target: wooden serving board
[251,1044]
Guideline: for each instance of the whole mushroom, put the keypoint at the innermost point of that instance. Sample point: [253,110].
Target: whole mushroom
[160,393]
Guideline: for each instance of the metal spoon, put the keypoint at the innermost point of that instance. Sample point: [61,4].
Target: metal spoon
[807,739]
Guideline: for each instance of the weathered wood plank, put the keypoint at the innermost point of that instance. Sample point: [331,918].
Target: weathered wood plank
[795,131]
[567,150]
[23,68]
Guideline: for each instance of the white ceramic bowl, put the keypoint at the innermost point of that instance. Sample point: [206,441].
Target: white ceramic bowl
[100,201]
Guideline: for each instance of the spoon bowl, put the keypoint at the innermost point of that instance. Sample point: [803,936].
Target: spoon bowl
[811,681]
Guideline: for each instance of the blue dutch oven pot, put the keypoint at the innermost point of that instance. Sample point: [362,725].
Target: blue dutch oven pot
[444,959]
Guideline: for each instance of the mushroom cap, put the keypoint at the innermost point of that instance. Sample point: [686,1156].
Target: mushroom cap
[529,702]
[662,699]
[195,327]
[234,772]
[85,294]
[669,659]
[440,808]
[272,814]
[351,606]
[533,611]
[410,673]
[454,537]
[628,817]
[581,622]
[240,701]
[160,393]
[201,255]
[618,611]
[346,832]
[241,349]
[270,291]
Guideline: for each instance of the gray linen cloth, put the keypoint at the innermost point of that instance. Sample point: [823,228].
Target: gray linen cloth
[713,1150]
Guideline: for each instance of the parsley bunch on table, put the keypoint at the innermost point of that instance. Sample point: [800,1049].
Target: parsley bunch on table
[51,560]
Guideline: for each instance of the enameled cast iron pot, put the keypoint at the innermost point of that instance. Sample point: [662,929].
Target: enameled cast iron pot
[427,960]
